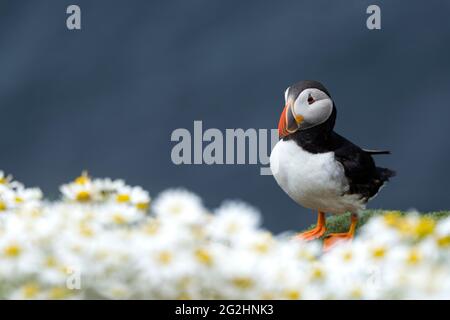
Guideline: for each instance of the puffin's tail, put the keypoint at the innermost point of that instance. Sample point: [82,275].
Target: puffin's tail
[375,152]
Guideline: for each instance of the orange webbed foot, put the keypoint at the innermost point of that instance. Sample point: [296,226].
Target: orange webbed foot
[318,231]
[334,239]
[310,235]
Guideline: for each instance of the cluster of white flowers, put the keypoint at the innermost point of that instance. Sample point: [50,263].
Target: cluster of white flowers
[101,191]
[14,195]
[102,241]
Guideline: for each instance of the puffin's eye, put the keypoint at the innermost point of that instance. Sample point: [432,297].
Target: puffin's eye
[310,99]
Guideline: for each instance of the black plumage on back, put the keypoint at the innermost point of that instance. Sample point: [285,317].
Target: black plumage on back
[364,177]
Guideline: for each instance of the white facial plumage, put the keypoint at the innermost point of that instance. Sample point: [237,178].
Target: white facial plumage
[286,94]
[313,106]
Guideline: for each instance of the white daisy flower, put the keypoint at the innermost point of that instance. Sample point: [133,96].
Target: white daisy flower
[180,206]
[233,220]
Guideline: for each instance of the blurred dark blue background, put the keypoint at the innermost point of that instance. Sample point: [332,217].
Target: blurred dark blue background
[107,98]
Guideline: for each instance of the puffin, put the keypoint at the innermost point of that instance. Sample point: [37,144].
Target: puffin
[318,168]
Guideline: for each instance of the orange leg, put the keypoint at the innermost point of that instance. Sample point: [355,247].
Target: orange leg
[315,233]
[334,238]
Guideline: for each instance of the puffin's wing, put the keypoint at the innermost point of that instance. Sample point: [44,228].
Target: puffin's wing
[358,164]
[364,178]
[369,151]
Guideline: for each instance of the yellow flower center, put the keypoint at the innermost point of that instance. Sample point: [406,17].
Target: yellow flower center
[30,291]
[261,247]
[425,227]
[143,206]
[123,197]
[203,256]
[50,262]
[19,199]
[119,219]
[317,274]
[86,231]
[414,257]
[292,294]
[356,293]
[58,293]
[2,206]
[443,241]
[379,252]
[242,282]
[406,228]
[83,196]
[12,251]
[306,255]
[165,257]
[392,218]
[184,296]
[347,256]
[83,179]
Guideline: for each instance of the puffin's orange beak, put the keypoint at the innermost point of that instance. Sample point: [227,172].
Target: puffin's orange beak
[288,122]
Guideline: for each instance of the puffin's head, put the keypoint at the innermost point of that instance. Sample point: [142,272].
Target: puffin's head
[307,104]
